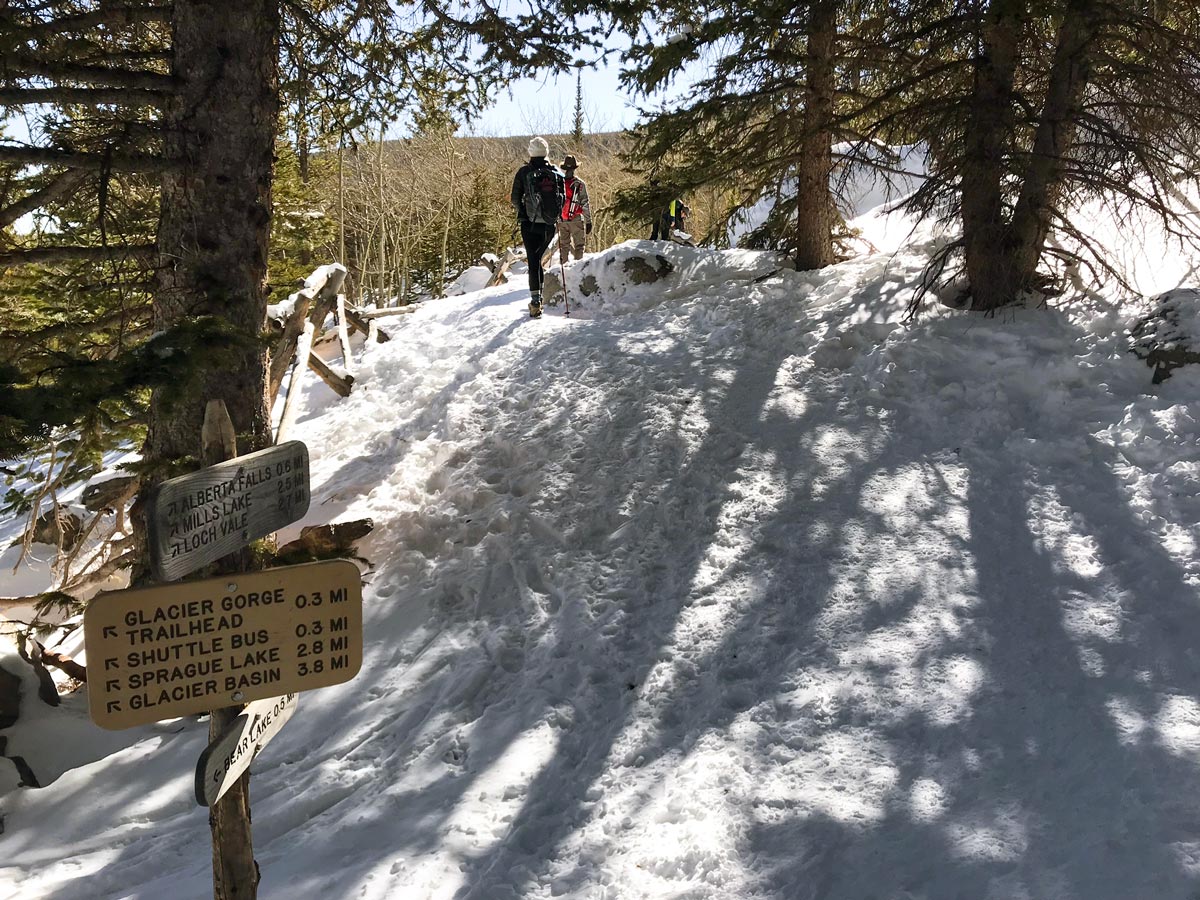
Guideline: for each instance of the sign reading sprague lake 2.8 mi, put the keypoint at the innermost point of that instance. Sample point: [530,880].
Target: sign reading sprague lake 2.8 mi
[200,517]
[177,649]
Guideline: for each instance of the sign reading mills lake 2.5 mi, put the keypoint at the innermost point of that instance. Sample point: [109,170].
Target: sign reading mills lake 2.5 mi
[177,649]
[198,518]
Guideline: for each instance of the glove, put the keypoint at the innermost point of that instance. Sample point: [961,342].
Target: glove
[587,229]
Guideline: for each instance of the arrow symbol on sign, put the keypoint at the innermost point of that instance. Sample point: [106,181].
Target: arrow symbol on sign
[114,706]
[110,631]
[110,664]
[112,684]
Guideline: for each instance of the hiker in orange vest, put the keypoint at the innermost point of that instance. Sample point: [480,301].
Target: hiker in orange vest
[576,221]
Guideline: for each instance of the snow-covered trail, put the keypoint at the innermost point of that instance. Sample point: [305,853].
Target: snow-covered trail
[730,587]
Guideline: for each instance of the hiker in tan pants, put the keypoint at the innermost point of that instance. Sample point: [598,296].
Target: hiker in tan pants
[576,221]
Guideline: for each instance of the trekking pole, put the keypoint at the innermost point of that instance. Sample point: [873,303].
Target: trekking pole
[562,268]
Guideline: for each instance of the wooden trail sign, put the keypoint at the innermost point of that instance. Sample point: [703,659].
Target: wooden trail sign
[225,759]
[200,517]
[179,649]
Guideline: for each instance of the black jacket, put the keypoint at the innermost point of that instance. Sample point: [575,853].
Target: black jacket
[518,186]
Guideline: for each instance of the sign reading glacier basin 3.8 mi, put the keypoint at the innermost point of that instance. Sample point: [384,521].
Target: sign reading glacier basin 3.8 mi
[177,649]
[202,516]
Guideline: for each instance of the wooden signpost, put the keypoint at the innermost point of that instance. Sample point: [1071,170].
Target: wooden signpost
[212,645]
[226,758]
[178,649]
[198,518]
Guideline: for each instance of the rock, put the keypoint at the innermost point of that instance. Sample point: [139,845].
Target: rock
[640,271]
[551,286]
[589,285]
[110,494]
[1164,338]
[10,698]
[318,542]
[59,526]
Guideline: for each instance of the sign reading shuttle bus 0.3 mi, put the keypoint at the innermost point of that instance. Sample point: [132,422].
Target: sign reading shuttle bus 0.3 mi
[190,647]
[198,518]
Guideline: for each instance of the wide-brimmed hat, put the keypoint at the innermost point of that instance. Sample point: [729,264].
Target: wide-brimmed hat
[569,162]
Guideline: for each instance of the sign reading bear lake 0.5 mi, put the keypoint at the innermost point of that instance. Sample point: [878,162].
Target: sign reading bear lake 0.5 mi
[178,649]
[225,759]
[197,518]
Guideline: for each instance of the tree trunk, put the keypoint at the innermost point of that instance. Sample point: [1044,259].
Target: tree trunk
[439,286]
[985,232]
[216,210]
[1042,183]
[814,219]
[383,299]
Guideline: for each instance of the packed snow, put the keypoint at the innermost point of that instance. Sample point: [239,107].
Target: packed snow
[732,584]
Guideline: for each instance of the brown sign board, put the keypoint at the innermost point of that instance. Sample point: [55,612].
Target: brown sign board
[200,517]
[179,649]
[225,759]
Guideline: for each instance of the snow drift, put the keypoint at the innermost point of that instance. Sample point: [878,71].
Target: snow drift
[731,585]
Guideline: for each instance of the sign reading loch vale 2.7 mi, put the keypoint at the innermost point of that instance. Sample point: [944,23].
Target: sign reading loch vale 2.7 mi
[178,649]
[197,518]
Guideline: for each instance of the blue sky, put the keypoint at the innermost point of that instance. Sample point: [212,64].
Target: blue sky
[547,104]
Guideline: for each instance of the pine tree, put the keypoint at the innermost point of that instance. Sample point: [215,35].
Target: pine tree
[761,119]
[1028,107]
[124,82]
[577,129]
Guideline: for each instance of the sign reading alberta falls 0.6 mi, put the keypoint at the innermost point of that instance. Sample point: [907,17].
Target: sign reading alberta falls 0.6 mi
[178,649]
[197,518]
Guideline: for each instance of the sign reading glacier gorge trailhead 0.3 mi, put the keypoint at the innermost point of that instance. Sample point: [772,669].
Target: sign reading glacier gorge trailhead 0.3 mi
[178,649]
[198,518]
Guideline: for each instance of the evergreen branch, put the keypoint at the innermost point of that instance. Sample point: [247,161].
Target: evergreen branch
[101,55]
[109,16]
[82,96]
[41,255]
[62,185]
[115,162]
[98,75]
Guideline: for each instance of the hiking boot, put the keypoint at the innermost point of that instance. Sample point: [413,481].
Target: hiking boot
[535,308]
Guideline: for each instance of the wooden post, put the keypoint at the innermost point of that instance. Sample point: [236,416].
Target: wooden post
[235,873]
[510,256]
[344,335]
[291,405]
[341,386]
[359,323]
[312,305]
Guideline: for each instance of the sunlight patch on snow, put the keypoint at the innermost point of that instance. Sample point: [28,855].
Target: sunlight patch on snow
[949,687]
[998,836]
[695,838]
[755,492]
[785,401]
[1130,723]
[1178,726]
[502,787]
[927,800]
[847,776]
[1092,616]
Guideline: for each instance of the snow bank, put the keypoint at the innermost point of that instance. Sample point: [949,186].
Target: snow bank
[730,585]
[473,279]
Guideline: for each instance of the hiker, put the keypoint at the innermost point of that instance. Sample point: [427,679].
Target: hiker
[576,221]
[672,217]
[538,195]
